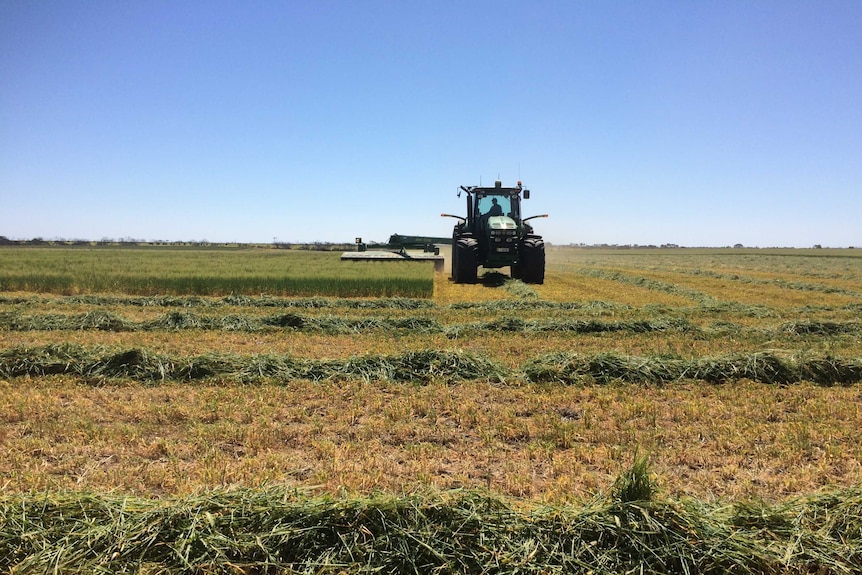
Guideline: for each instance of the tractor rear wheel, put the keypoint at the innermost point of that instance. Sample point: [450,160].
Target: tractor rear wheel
[464,258]
[533,261]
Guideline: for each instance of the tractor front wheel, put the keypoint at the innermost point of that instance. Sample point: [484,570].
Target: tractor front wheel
[464,258]
[533,261]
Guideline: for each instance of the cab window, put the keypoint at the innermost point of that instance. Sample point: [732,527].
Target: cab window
[495,206]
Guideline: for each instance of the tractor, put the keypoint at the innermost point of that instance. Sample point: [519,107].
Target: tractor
[493,235]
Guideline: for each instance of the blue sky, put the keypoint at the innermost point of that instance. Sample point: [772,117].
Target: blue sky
[696,123]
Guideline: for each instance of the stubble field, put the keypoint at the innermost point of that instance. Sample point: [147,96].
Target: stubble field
[735,373]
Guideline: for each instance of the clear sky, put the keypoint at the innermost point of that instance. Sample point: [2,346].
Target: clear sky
[701,123]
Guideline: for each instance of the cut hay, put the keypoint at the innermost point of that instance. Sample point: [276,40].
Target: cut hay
[278,530]
[572,368]
[426,365]
[140,365]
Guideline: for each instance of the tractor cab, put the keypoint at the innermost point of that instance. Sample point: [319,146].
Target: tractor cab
[496,211]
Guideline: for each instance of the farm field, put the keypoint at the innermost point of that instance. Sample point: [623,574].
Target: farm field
[736,373]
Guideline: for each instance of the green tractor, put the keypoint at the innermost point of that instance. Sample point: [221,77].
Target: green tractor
[493,235]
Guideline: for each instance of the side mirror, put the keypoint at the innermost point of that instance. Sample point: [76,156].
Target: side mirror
[526,194]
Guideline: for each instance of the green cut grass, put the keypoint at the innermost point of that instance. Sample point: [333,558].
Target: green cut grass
[283,531]
[426,365]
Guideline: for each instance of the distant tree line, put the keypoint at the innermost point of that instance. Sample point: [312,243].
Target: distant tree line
[130,242]
[677,246]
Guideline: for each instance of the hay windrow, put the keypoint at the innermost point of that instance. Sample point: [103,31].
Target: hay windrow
[141,365]
[591,308]
[651,284]
[181,319]
[824,328]
[427,365]
[277,530]
[793,285]
[766,367]
[335,324]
